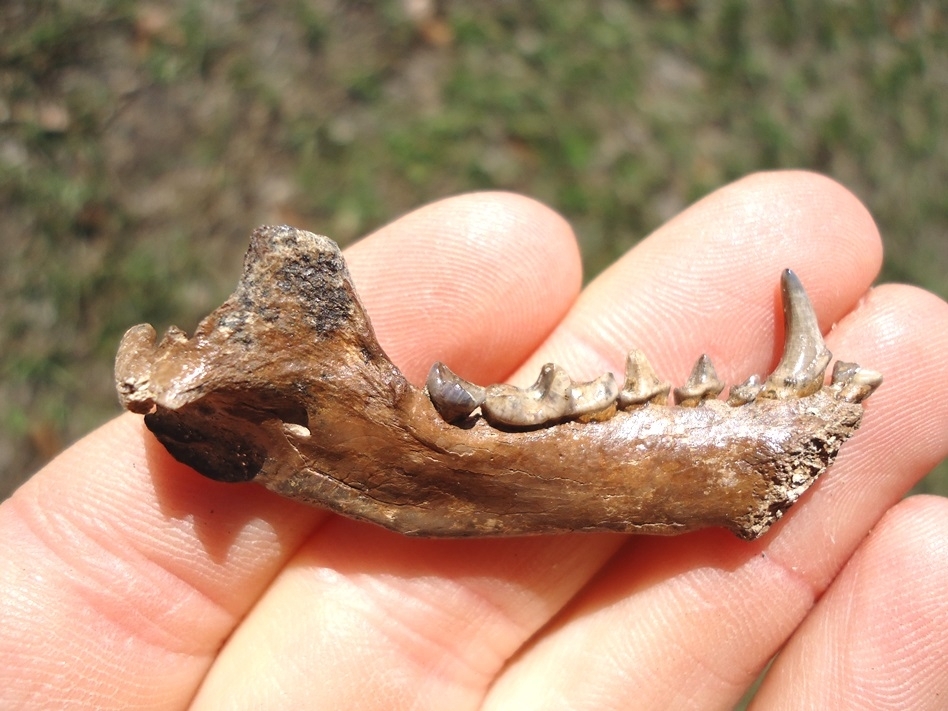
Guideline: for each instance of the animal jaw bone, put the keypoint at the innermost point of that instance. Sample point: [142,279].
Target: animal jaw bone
[285,384]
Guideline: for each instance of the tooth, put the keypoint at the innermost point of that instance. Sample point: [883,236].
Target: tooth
[805,355]
[454,398]
[703,384]
[642,385]
[745,393]
[546,401]
[852,383]
[596,396]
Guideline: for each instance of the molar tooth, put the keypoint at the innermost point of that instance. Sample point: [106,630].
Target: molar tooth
[642,385]
[588,399]
[544,402]
[453,397]
[852,383]
[703,384]
[805,355]
[746,392]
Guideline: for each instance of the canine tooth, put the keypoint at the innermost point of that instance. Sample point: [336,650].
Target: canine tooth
[642,384]
[703,384]
[592,397]
[453,397]
[805,355]
[852,383]
[547,400]
[745,393]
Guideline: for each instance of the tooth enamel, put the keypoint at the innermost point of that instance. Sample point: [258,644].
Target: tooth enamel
[597,395]
[642,385]
[703,384]
[453,397]
[554,397]
[852,383]
[547,400]
[744,393]
[805,356]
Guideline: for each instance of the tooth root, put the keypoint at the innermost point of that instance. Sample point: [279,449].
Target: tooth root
[546,401]
[642,384]
[453,397]
[746,392]
[596,396]
[703,384]
[805,355]
[852,383]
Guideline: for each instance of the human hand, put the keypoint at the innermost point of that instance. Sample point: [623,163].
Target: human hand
[131,581]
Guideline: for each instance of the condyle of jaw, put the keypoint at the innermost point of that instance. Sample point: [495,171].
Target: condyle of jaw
[286,385]
[554,397]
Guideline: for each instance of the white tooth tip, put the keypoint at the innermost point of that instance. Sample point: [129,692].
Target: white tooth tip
[852,383]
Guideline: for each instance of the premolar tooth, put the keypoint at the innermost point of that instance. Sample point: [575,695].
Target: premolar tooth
[852,383]
[642,384]
[546,401]
[703,384]
[453,397]
[746,392]
[596,396]
[805,355]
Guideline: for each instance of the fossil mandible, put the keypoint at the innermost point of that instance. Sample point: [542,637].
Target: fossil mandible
[285,384]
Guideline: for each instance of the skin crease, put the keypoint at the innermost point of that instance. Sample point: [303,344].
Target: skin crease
[132,582]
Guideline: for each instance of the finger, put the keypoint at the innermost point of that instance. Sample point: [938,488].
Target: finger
[879,637]
[691,621]
[478,282]
[431,622]
[707,282]
[125,570]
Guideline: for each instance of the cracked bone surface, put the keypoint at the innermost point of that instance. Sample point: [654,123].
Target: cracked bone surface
[286,385]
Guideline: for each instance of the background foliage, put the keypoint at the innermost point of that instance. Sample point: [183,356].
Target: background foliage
[140,143]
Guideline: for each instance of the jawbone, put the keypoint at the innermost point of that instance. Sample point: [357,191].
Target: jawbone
[285,384]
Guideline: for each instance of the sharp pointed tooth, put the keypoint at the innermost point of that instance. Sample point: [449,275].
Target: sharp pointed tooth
[642,385]
[745,393]
[703,384]
[453,397]
[852,383]
[805,355]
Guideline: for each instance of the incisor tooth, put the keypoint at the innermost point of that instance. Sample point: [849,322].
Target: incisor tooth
[805,355]
[703,384]
[852,383]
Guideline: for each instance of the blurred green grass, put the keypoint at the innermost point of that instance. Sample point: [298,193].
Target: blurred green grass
[139,144]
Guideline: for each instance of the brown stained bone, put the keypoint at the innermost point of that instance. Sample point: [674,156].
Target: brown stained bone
[285,384]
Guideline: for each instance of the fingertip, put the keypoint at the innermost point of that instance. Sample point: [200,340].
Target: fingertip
[476,281]
[789,204]
[708,280]
[855,657]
